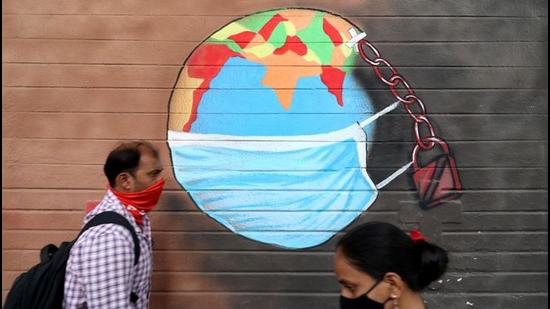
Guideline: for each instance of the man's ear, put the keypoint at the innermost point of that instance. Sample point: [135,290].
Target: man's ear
[396,284]
[124,181]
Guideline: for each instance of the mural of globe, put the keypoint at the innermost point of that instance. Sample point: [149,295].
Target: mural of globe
[268,127]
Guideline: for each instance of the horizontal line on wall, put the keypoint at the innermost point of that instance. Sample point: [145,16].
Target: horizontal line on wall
[465,275]
[512,211]
[316,294]
[199,41]
[460,168]
[369,89]
[459,294]
[373,16]
[522,190]
[68,211]
[448,229]
[451,141]
[271,252]
[385,191]
[171,88]
[496,233]
[290,273]
[167,114]
[325,42]
[225,232]
[69,139]
[336,295]
[310,251]
[324,273]
[158,229]
[293,293]
[40,230]
[364,66]
[376,211]
[15,162]
[529,141]
[246,230]
[478,253]
[206,65]
[239,251]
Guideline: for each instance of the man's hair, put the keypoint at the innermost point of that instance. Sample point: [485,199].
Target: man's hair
[125,158]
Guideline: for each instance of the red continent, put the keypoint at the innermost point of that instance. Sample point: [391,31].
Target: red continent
[243,38]
[268,28]
[293,43]
[205,63]
[332,33]
[333,78]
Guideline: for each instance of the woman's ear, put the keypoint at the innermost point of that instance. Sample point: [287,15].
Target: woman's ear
[123,182]
[396,284]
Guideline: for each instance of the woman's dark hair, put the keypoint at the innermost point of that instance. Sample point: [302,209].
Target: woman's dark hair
[125,158]
[377,248]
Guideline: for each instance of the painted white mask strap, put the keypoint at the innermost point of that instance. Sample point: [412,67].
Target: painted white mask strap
[390,178]
[368,121]
[381,113]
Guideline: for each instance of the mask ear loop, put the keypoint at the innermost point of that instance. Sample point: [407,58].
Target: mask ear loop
[381,113]
[395,174]
[371,119]
[372,288]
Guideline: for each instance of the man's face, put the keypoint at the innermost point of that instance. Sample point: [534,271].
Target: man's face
[148,172]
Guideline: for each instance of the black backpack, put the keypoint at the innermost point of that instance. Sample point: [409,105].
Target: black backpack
[42,285]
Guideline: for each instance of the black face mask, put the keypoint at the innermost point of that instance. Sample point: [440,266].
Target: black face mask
[361,302]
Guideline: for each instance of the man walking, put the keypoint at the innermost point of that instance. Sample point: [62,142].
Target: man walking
[101,271]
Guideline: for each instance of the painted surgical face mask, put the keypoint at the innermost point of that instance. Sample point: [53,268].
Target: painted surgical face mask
[277,205]
[362,302]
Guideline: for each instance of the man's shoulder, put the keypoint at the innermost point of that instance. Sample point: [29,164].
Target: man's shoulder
[108,232]
[105,233]
[111,204]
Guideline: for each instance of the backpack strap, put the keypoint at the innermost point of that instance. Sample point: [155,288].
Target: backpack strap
[111,217]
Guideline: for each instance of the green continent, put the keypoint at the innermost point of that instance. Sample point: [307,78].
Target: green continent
[314,33]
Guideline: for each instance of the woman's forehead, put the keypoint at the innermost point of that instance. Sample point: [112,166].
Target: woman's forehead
[345,270]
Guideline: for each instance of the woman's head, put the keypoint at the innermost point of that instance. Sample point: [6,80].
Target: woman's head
[376,252]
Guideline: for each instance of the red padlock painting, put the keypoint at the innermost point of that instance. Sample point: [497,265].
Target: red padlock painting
[437,181]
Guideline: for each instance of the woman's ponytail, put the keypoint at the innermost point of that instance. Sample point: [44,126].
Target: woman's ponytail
[433,262]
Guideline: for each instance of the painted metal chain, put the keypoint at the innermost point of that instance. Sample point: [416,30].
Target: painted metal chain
[409,99]
[438,181]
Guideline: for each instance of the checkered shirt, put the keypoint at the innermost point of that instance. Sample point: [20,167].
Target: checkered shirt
[100,271]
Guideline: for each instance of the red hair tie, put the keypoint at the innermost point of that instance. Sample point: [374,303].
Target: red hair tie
[416,236]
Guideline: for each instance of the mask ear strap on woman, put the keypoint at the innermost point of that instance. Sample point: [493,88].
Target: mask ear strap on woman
[362,302]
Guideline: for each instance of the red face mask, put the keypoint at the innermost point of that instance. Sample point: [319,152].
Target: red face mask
[141,201]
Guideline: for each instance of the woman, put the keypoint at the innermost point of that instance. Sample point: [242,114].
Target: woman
[380,266]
